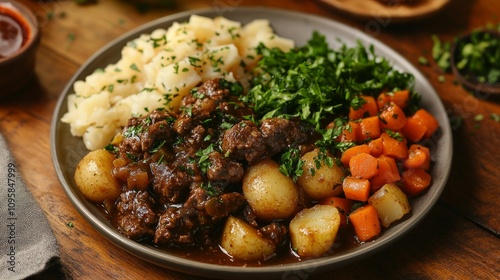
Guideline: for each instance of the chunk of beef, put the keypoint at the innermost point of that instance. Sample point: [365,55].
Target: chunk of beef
[170,182]
[197,200]
[235,108]
[247,141]
[136,218]
[142,134]
[213,90]
[160,115]
[280,134]
[211,205]
[223,170]
[274,232]
[177,226]
[182,225]
[183,125]
[223,205]
[155,134]
[193,139]
[199,106]
[244,141]
[250,216]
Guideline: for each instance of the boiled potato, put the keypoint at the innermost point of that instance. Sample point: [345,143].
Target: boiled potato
[176,80]
[219,59]
[391,204]
[271,194]
[93,176]
[240,240]
[319,183]
[313,230]
[203,27]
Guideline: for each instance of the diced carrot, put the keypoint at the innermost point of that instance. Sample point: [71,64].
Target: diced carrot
[392,117]
[369,128]
[356,188]
[349,153]
[368,108]
[428,120]
[401,98]
[414,130]
[370,105]
[363,165]
[387,173]
[418,157]
[344,206]
[394,147]
[376,147]
[350,134]
[366,222]
[415,181]
[382,100]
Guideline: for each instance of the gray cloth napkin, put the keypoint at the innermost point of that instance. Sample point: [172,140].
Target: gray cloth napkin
[27,243]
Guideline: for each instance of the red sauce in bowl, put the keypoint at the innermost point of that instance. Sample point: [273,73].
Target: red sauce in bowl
[14,31]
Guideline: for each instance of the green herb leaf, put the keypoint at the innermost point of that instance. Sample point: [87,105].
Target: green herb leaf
[203,161]
[291,164]
[315,83]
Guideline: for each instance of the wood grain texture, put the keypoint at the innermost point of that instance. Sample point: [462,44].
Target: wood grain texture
[458,240]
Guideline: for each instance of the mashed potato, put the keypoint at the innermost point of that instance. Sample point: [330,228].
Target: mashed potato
[156,70]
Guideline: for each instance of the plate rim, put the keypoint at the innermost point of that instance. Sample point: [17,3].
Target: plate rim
[203,269]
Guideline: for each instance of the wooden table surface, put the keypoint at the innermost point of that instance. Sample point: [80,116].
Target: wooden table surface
[459,239]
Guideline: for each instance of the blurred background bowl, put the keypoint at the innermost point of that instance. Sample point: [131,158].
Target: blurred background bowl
[19,39]
[473,44]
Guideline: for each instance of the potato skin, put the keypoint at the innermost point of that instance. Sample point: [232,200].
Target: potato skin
[313,230]
[271,194]
[325,182]
[242,241]
[93,176]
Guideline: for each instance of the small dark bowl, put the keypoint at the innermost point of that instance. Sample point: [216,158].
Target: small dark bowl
[17,68]
[469,80]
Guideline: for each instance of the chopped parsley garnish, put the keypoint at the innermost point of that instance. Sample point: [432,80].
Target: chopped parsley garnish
[133,131]
[158,147]
[479,57]
[316,83]
[329,141]
[495,117]
[291,164]
[441,53]
[111,148]
[210,189]
[395,135]
[203,161]
[134,67]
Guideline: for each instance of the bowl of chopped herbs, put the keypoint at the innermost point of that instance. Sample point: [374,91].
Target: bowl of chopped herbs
[475,60]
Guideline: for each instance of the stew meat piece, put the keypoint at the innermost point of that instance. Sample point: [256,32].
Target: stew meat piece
[181,173]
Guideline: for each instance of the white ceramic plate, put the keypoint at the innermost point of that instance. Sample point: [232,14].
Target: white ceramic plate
[68,150]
